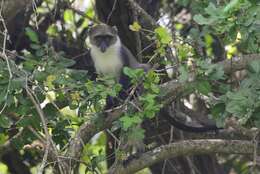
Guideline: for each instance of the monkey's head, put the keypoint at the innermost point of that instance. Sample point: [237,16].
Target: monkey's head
[103,36]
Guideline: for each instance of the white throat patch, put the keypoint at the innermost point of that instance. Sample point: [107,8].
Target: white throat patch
[109,62]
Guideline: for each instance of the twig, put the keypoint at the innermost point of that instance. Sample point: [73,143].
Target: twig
[48,137]
[111,12]
[147,47]
[112,134]
[138,39]
[81,13]
[7,61]
[34,5]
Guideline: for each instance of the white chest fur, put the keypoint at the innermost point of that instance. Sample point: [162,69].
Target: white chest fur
[109,62]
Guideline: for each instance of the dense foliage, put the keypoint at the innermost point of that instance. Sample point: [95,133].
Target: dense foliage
[70,97]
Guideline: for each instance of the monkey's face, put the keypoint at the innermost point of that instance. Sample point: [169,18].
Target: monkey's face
[103,36]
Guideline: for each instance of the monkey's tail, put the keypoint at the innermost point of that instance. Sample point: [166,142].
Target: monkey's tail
[179,125]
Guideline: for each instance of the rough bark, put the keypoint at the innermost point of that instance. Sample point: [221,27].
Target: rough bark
[187,148]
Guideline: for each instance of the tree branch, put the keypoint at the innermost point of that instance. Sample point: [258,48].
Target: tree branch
[185,148]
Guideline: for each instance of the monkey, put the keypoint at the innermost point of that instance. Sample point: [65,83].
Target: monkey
[110,56]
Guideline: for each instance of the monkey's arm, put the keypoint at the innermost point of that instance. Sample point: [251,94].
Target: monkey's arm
[130,60]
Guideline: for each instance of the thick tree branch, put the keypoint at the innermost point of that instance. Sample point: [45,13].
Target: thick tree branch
[185,148]
[231,133]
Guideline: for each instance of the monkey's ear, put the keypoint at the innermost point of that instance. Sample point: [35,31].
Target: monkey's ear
[115,29]
[90,28]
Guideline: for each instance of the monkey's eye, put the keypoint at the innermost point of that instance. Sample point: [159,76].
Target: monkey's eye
[98,38]
[108,39]
[103,38]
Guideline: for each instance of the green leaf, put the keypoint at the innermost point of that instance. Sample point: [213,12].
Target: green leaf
[30,64]
[134,74]
[202,20]
[136,134]
[212,10]
[155,88]
[235,108]
[231,5]
[64,62]
[217,110]
[18,83]
[203,87]
[254,66]
[90,12]
[3,95]
[35,46]
[49,81]
[129,121]
[163,35]
[184,75]
[240,95]
[3,138]
[68,16]
[4,122]
[33,120]
[218,74]
[135,26]
[40,52]
[40,75]
[32,35]
[53,30]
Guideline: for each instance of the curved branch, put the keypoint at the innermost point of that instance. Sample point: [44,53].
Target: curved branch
[184,148]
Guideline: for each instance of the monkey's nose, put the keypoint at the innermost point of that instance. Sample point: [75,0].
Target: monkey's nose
[103,47]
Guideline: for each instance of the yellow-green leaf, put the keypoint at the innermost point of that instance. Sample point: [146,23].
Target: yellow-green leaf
[135,26]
